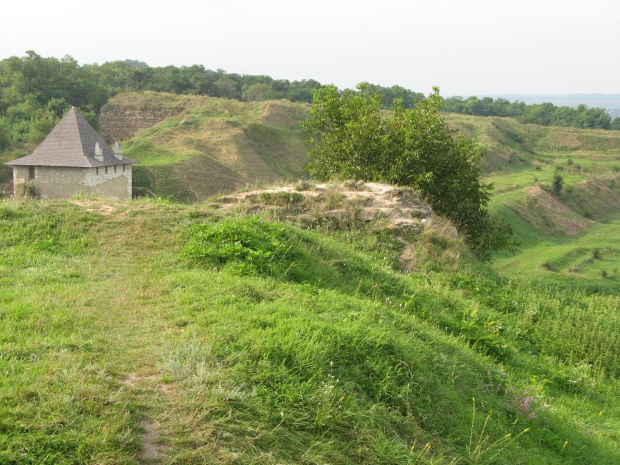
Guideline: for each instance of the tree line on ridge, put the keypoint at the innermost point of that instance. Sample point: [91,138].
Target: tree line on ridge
[36,91]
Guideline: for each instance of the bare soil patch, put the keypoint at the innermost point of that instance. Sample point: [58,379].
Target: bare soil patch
[150,450]
[97,206]
[548,214]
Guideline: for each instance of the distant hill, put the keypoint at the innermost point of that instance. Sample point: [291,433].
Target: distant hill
[509,143]
[569,236]
[191,147]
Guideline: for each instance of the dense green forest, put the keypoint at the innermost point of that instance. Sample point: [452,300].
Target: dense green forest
[545,114]
[36,91]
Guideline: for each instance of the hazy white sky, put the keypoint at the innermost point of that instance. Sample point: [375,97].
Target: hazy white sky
[465,47]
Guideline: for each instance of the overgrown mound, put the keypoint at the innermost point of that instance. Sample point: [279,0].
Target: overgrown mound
[399,209]
[254,247]
[192,147]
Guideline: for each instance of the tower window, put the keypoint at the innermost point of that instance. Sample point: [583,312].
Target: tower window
[31,172]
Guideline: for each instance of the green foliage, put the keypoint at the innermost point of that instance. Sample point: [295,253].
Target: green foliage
[353,138]
[251,246]
[281,198]
[37,91]
[558,184]
[60,232]
[545,114]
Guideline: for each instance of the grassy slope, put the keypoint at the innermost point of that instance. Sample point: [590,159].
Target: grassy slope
[108,332]
[571,238]
[217,145]
[214,145]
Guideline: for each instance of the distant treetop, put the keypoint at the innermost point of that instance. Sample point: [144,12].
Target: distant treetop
[136,63]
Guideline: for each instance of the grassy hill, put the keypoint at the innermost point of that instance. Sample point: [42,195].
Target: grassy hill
[203,146]
[160,332]
[156,332]
[212,145]
[570,237]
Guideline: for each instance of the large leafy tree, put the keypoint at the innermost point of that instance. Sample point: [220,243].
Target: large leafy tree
[352,137]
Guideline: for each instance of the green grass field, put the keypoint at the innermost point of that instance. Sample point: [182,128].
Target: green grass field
[169,333]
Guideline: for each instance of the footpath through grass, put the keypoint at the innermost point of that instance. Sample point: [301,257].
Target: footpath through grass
[164,333]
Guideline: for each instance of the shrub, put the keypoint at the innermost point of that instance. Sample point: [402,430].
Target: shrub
[303,185]
[281,198]
[250,246]
[558,183]
[354,138]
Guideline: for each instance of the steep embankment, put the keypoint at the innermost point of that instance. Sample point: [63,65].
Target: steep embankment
[201,146]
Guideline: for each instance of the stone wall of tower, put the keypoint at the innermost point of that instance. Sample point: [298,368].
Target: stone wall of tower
[56,182]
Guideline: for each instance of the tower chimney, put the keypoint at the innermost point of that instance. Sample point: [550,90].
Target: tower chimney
[117,151]
[98,152]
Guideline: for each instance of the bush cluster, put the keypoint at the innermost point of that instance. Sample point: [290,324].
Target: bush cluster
[353,138]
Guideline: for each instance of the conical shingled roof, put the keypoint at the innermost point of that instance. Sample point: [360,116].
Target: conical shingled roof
[72,143]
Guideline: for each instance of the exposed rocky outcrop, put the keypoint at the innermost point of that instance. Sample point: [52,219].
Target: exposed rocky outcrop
[400,207]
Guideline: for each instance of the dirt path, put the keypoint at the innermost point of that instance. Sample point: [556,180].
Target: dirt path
[406,259]
[123,298]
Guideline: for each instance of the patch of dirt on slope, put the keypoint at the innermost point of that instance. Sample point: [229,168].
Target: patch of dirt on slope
[151,449]
[595,198]
[549,215]
[97,206]
[407,257]
[283,114]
